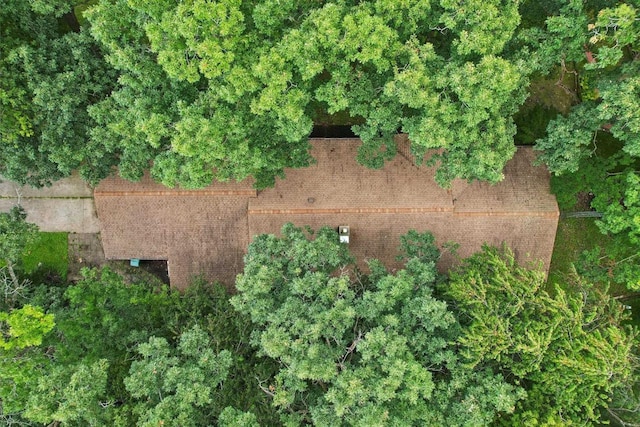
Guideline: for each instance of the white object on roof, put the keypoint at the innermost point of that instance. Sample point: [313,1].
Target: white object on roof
[344,232]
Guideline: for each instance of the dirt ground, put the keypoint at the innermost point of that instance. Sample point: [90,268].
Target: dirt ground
[85,250]
[558,92]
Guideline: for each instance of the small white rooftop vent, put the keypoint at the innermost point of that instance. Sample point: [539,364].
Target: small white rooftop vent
[344,232]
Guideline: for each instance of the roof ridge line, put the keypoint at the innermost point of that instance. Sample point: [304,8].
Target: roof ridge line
[250,193]
[551,214]
[400,210]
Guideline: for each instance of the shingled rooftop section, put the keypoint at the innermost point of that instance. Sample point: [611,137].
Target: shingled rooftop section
[198,232]
[207,231]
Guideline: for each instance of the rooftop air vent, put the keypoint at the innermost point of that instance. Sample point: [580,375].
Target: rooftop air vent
[344,232]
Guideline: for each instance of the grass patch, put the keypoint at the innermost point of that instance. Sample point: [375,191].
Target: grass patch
[574,235]
[47,253]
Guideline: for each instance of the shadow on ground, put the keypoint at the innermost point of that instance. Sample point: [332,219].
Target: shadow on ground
[85,250]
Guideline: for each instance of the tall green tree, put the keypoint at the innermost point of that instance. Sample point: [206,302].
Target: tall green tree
[15,234]
[76,373]
[22,330]
[425,68]
[101,320]
[230,89]
[595,148]
[177,386]
[128,354]
[194,127]
[570,351]
[360,350]
[206,306]
[50,72]
[602,40]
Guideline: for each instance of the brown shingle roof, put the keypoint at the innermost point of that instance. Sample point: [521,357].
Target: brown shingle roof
[524,190]
[337,181]
[197,231]
[207,231]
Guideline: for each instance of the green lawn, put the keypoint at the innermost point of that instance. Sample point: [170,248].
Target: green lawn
[49,252]
[574,236]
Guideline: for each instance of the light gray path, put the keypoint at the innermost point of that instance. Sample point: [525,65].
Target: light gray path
[67,205]
[584,214]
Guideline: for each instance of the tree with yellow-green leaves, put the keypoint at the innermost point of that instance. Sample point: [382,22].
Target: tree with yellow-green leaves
[570,351]
[487,346]
[595,148]
[361,350]
[231,88]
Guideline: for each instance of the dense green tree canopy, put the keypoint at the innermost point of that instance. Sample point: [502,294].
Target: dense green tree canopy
[105,352]
[49,74]
[360,350]
[595,148]
[570,350]
[230,89]
[224,90]
[177,386]
[81,364]
[202,90]
[384,349]
[331,345]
